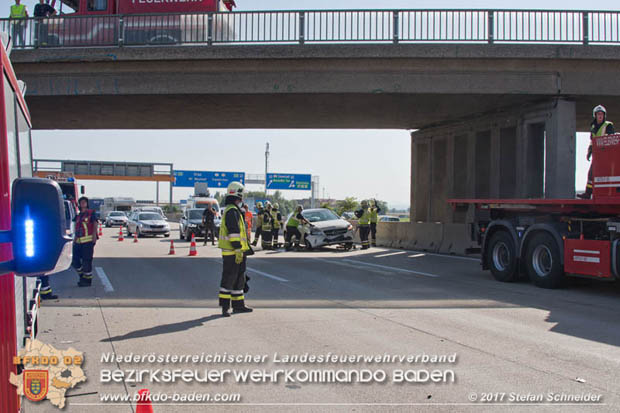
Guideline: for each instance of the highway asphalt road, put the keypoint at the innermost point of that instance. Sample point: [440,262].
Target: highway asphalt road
[510,340]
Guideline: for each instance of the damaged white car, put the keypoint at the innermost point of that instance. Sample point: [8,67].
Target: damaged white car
[327,229]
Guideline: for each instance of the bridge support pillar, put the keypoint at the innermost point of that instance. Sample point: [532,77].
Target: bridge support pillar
[525,152]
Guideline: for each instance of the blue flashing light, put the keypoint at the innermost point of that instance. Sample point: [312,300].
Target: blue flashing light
[29,234]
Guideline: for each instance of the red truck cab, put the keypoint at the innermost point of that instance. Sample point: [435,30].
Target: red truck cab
[33,230]
[135,22]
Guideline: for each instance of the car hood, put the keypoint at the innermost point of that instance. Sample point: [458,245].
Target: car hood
[333,224]
[195,221]
[154,222]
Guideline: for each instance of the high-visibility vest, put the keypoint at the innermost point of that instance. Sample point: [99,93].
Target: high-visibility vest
[293,221]
[266,221]
[225,239]
[374,215]
[365,218]
[601,130]
[18,11]
[259,218]
[85,230]
[276,221]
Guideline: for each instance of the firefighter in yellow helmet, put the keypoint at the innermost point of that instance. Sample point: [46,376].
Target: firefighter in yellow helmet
[363,223]
[259,222]
[600,126]
[233,241]
[267,227]
[374,218]
[276,224]
[292,228]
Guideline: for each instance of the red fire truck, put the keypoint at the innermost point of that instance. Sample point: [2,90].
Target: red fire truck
[143,22]
[33,231]
[549,239]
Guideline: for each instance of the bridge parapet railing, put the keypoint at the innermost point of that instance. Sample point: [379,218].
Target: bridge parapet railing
[320,26]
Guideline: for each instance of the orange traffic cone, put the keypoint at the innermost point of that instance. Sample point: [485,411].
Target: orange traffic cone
[192,247]
[135,238]
[171,252]
[120,235]
[144,402]
[100,231]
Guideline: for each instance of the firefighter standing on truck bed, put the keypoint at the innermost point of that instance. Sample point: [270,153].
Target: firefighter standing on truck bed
[374,218]
[233,241]
[363,223]
[267,226]
[84,242]
[600,126]
[259,222]
[276,224]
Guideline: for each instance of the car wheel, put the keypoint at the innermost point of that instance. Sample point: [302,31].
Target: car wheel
[188,237]
[107,225]
[167,235]
[348,246]
[128,231]
[180,234]
[543,261]
[502,257]
[138,233]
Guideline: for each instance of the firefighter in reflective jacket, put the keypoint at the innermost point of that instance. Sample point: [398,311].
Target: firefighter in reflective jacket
[267,227]
[363,223]
[233,241]
[292,228]
[374,218]
[84,243]
[600,126]
[276,224]
[259,222]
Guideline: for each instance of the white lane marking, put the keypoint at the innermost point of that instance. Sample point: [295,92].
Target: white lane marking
[344,264]
[390,254]
[456,257]
[107,285]
[264,274]
[416,255]
[391,268]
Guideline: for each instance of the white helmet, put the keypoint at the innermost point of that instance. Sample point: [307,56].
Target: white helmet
[259,205]
[599,108]
[235,189]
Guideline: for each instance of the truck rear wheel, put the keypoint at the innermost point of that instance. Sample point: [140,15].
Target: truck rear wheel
[502,257]
[543,262]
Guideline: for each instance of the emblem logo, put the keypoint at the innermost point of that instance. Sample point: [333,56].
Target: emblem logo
[36,384]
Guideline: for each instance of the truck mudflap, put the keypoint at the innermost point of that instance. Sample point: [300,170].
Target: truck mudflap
[615,258]
[588,257]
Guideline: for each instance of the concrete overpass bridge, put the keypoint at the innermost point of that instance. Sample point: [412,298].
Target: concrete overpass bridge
[497,110]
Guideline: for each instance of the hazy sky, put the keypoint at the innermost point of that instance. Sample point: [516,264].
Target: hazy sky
[369,163]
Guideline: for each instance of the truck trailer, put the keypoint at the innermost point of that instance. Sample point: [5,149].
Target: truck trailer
[548,240]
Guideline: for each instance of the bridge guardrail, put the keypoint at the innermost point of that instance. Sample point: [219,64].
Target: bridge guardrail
[320,26]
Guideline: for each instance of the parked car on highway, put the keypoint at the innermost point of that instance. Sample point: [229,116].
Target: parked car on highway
[115,218]
[327,229]
[147,223]
[191,223]
[155,209]
[388,218]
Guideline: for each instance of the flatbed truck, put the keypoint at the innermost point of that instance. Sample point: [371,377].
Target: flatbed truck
[549,240]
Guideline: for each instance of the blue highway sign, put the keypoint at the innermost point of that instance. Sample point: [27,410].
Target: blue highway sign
[214,180]
[289,181]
